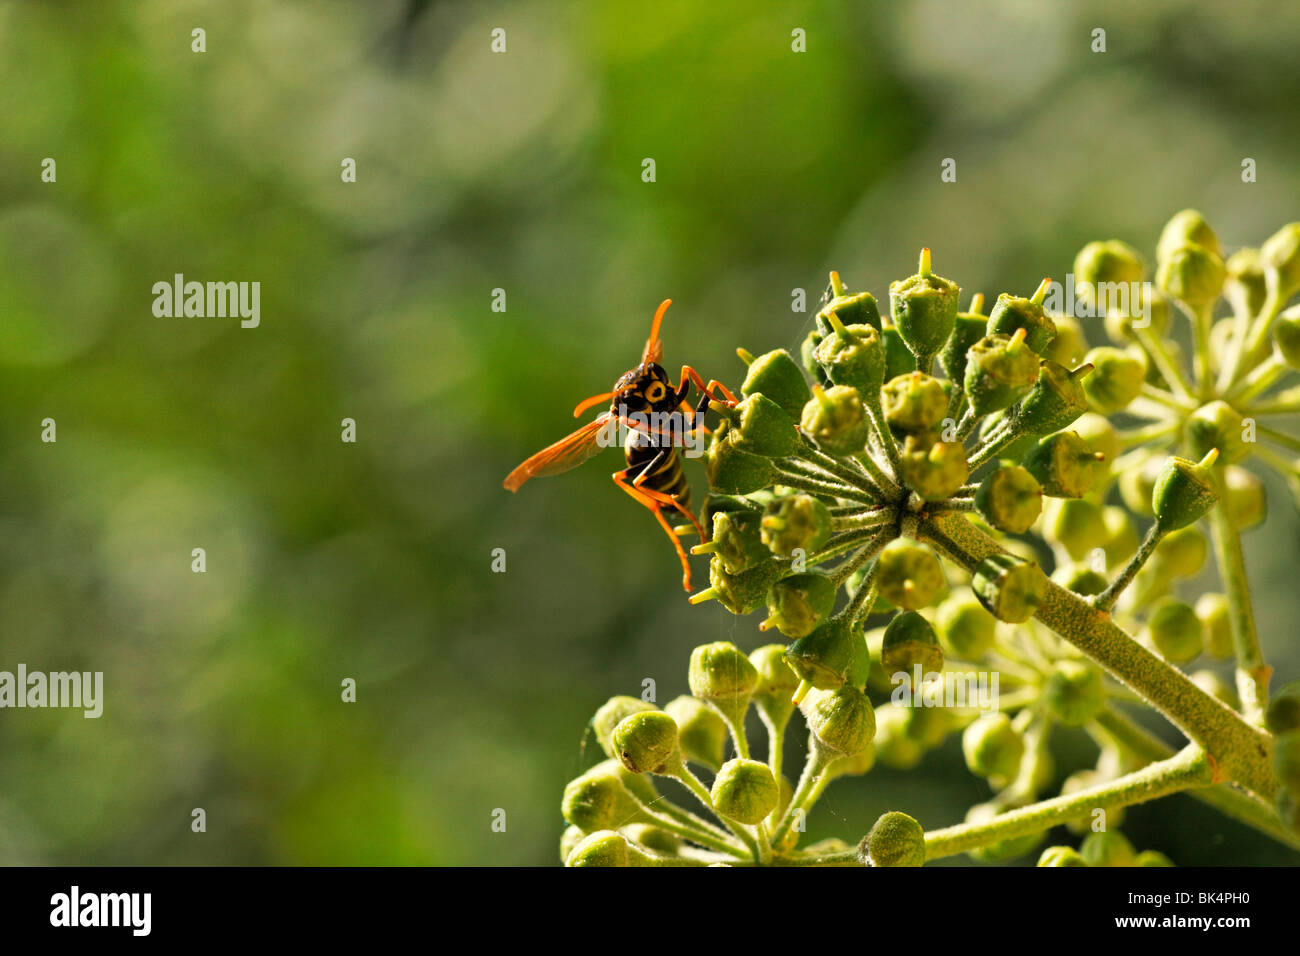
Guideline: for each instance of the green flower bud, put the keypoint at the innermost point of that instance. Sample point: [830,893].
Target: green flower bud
[808,358]
[1286,760]
[1013,312]
[854,766]
[1216,618]
[853,355]
[992,747]
[914,402]
[1111,262]
[1136,485]
[653,838]
[1061,856]
[700,731]
[1175,630]
[894,748]
[1054,402]
[848,309]
[1182,553]
[937,472]
[1121,534]
[1152,858]
[1069,346]
[1216,425]
[724,677]
[968,330]
[1191,274]
[841,721]
[1215,686]
[909,574]
[1063,464]
[924,309]
[895,840]
[1011,588]
[999,370]
[1099,435]
[1286,337]
[1074,692]
[731,470]
[1187,226]
[795,521]
[776,683]
[797,604]
[741,593]
[1283,714]
[737,541]
[1246,499]
[1002,850]
[1076,525]
[602,848]
[598,800]
[647,743]
[898,358]
[744,791]
[832,655]
[1184,492]
[1080,579]
[570,838]
[1151,311]
[928,726]
[609,715]
[1010,499]
[910,641]
[1244,283]
[1108,848]
[1281,251]
[759,426]
[777,375]
[836,420]
[966,629]
[1117,378]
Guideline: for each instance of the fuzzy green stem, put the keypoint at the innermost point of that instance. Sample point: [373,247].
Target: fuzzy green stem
[1107,598]
[817,764]
[692,783]
[1243,752]
[1164,362]
[1252,672]
[1258,381]
[1189,768]
[1227,799]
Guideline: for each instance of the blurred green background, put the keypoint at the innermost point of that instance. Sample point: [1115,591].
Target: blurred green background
[478,171]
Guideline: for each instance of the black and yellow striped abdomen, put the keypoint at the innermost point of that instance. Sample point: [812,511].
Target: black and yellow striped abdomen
[667,476]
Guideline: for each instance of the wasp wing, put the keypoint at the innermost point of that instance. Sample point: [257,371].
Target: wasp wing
[569,452]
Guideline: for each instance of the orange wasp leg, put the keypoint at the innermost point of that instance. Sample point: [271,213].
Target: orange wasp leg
[698,381]
[646,498]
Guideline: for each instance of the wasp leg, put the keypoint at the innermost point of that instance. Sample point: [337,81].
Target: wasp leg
[729,397]
[662,498]
[642,496]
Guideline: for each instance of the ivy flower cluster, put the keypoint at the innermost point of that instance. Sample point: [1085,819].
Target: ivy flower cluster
[926,498]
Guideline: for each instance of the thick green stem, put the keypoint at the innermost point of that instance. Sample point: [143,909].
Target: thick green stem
[1241,751]
[1252,672]
[1227,798]
[1189,768]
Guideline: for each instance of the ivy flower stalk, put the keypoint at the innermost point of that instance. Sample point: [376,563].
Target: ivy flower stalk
[895,536]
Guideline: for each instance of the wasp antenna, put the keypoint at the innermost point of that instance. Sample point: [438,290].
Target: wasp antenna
[587,403]
[651,351]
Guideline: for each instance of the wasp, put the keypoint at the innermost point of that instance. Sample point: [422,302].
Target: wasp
[646,401]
